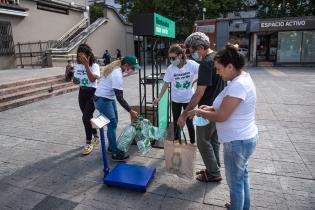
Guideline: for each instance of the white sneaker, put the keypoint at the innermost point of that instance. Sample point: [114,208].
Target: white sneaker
[96,140]
[88,148]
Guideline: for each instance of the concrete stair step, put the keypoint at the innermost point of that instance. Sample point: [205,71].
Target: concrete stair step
[265,64]
[33,91]
[30,99]
[27,81]
[31,85]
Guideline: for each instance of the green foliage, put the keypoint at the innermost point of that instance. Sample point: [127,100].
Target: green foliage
[184,13]
[285,8]
[96,11]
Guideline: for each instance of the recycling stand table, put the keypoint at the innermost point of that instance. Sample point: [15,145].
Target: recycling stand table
[123,175]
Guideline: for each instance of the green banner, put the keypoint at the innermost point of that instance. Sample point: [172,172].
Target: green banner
[163,26]
[163,108]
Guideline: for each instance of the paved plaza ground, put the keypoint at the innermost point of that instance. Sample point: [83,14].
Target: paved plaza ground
[41,166]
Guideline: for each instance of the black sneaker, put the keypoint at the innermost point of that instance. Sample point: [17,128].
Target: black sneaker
[109,150]
[120,156]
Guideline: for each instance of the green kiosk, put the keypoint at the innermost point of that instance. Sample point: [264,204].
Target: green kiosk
[154,33]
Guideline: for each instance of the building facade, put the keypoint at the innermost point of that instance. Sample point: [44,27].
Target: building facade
[279,41]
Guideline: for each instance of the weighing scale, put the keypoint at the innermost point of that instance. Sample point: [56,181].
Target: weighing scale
[122,175]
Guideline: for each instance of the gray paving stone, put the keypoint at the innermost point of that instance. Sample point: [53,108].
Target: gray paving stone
[25,199]
[216,194]
[286,156]
[292,169]
[51,202]
[261,166]
[176,204]
[190,190]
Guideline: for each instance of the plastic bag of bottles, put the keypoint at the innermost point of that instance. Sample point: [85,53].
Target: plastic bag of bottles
[150,131]
[143,143]
[126,137]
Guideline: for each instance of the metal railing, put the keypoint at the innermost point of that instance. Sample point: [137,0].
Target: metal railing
[74,29]
[33,53]
[69,45]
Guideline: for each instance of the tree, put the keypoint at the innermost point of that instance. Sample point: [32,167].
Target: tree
[285,8]
[96,11]
[184,13]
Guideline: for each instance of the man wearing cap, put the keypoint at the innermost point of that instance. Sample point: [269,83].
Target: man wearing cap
[209,85]
[110,87]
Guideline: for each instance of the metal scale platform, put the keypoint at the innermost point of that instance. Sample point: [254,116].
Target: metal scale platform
[123,175]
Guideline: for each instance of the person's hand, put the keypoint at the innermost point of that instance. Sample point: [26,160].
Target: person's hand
[191,114]
[156,101]
[206,108]
[181,121]
[133,115]
[76,81]
[83,59]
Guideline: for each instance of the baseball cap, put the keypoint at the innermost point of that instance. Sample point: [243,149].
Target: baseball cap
[131,60]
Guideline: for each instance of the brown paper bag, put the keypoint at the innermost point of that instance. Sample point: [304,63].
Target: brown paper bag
[180,158]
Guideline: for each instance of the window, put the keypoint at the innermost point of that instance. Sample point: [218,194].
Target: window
[6,39]
[308,47]
[52,8]
[289,47]
[296,47]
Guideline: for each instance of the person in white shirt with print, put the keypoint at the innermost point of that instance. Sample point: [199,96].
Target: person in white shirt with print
[233,111]
[181,75]
[87,71]
[110,87]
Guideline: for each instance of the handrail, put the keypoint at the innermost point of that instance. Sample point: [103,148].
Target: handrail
[73,29]
[78,38]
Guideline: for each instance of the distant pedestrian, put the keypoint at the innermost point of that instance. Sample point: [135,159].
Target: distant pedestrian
[106,57]
[118,55]
[87,71]
[69,71]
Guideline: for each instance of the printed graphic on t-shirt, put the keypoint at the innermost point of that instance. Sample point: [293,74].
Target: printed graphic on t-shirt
[80,73]
[182,80]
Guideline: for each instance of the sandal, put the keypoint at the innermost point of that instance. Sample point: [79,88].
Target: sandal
[201,171]
[205,177]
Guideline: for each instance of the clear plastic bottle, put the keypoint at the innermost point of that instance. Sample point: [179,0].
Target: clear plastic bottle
[143,143]
[157,133]
[145,126]
[125,138]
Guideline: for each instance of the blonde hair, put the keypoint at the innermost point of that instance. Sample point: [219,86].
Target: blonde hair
[105,71]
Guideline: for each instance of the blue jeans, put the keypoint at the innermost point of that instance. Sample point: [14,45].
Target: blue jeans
[108,108]
[236,155]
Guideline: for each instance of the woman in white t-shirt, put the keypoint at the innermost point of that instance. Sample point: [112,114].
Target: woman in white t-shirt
[87,71]
[181,75]
[233,111]
[110,87]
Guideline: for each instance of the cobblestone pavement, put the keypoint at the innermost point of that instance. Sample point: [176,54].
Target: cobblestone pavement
[41,166]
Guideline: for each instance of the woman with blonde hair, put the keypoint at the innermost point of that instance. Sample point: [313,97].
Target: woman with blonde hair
[110,87]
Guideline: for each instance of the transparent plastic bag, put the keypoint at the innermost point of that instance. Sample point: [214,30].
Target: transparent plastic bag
[125,139]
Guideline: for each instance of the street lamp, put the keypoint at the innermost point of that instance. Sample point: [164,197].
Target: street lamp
[203,12]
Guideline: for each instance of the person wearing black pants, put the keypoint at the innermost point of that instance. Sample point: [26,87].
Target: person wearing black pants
[180,74]
[86,74]
[177,110]
[87,108]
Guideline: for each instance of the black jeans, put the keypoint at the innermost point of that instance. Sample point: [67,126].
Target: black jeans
[87,108]
[177,109]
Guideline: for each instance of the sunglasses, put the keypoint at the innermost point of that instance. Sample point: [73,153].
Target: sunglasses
[173,58]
